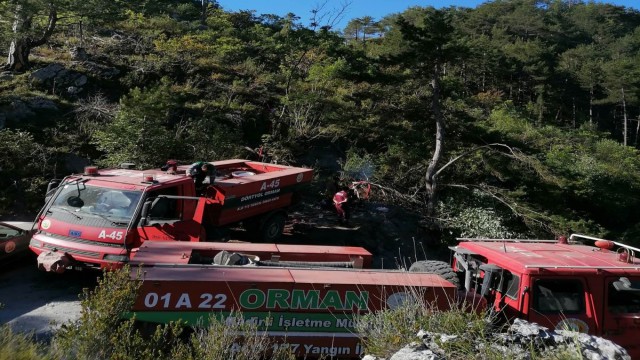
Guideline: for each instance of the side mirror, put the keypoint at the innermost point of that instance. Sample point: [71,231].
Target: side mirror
[491,272]
[75,201]
[51,189]
[53,184]
[144,217]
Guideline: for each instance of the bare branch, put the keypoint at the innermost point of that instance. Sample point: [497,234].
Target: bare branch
[51,26]
[339,14]
[513,153]
[93,112]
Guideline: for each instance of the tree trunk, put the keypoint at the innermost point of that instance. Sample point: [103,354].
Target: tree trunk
[20,48]
[203,15]
[431,183]
[624,113]
[573,114]
[635,142]
[591,105]
[18,59]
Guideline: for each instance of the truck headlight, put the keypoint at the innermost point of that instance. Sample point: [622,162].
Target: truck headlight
[119,258]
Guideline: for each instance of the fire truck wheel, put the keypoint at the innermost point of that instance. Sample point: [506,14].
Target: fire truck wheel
[436,267]
[252,226]
[272,228]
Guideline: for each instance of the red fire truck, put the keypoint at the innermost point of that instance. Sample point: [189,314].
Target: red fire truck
[311,294]
[561,284]
[307,296]
[95,219]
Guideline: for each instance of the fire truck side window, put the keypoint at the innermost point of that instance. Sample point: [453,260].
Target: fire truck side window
[623,302]
[7,232]
[164,208]
[513,284]
[554,296]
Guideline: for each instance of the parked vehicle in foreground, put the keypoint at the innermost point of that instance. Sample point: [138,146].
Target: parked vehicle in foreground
[559,284]
[307,296]
[311,295]
[14,239]
[96,219]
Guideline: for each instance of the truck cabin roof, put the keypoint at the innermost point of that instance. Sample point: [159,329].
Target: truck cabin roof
[535,257]
[130,179]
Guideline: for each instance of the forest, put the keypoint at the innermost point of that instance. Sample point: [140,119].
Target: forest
[515,119]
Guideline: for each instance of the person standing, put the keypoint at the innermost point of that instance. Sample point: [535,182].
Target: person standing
[200,170]
[342,205]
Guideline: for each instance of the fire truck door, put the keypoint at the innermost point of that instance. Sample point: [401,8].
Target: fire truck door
[562,303]
[166,218]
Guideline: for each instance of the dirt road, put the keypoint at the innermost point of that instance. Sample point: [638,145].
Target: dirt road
[38,302]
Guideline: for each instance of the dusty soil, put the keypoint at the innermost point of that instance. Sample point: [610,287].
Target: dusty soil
[38,302]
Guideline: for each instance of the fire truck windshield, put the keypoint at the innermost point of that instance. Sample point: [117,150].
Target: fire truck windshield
[112,205]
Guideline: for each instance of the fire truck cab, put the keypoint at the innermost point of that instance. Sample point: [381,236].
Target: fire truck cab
[560,284]
[96,219]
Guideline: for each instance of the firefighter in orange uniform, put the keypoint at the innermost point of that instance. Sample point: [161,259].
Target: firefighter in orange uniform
[342,204]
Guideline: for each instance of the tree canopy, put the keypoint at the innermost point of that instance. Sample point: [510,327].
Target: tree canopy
[526,113]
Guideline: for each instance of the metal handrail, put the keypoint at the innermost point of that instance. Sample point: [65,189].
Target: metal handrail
[598,239]
[582,267]
[508,240]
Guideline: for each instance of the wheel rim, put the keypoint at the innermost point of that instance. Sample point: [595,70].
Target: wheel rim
[274,229]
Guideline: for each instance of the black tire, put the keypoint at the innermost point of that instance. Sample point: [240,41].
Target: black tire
[272,228]
[252,226]
[436,267]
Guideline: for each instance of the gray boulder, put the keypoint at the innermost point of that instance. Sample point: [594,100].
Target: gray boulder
[6,75]
[100,71]
[78,54]
[415,351]
[19,109]
[517,342]
[40,103]
[55,76]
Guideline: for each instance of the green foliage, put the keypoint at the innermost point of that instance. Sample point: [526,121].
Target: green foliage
[141,130]
[545,79]
[477,222]
[15,346]
[385,332]
[92,335]
[23,165]
[359,167]
[219,341]
[103,332]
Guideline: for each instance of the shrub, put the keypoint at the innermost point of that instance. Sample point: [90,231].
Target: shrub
[468,334]
[385,332]
[102,333]
[220,341]
[15,346]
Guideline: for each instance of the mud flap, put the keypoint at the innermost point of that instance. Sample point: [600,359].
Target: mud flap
[53,261]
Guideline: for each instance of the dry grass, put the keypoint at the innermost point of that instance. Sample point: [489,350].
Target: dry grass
[385,332]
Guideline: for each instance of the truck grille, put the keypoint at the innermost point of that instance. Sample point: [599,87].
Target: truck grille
[71,251]
[82,241]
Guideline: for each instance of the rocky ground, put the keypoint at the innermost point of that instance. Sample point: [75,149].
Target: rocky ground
[395,238]
[517,342]
[38,302]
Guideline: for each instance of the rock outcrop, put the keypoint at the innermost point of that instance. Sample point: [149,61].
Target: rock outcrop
[518,342]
